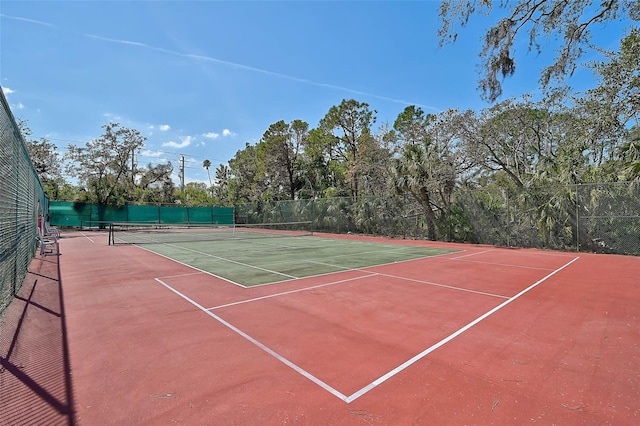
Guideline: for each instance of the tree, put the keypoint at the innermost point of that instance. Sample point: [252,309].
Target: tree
[281,148]
[46,161]
[323,170]
[207,164]
[630,153]
[156,185]
[195,194]
[222,184]
[424,166]
[245,184]
[347,129]
[614,105]
[103,165]
[570,21]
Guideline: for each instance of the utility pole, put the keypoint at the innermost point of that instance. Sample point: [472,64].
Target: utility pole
[181,174]
[133,167]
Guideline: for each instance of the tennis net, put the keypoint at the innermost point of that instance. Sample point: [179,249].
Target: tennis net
[155,233]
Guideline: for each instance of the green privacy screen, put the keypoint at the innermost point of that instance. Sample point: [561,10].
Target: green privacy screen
[83,215]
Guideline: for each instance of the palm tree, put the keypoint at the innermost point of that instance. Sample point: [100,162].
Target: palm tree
[207,164]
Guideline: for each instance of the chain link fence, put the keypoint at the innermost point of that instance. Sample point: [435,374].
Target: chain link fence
[22,202]
[602,218]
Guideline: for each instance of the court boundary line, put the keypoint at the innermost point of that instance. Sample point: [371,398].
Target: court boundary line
[297,290]
[345,269]
[87,237]
[260,345]
[294,278]
[192,267]
[235,262]
[463,259]
[473,254]
[400,368]
[510,265]
[451,287]
[453,335]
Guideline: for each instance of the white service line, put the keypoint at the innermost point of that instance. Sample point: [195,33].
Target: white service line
[432,348]
[415,280]
[84,235]
[233,261]
[292,291]
[191,267]
[268,350]
[509,265]
[471,254]
[383,378]
[443,286]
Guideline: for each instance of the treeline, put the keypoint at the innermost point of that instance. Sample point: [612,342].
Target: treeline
[517,144]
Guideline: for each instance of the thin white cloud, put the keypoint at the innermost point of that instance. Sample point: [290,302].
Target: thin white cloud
[112,116]
[150,153]
[186,141]
[227,132]
[254,69]
[164,127]
[211,135]
[20,105]
[231,64]
[31,21]
[115,40]
[6,90]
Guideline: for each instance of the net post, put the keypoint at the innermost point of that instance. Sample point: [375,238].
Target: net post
[111,234]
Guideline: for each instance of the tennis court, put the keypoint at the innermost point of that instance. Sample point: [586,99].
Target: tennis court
[264,254]
[327,329]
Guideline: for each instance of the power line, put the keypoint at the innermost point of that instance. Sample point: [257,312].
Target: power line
[160,151]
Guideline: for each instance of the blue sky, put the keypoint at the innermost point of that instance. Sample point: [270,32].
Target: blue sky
[204,78]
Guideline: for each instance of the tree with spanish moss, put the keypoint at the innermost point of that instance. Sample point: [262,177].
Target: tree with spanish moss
[570,21]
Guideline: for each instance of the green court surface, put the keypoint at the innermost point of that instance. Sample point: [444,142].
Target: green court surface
[263,261]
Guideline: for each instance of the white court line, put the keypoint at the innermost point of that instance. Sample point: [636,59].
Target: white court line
[344,269]
[364,269]
[192,267]
[84,235]
[292,291]
[399,249]
[263,243]
[432,348]
[187,274]
[504,264]
[445,286]
[471,254]
[393,262]
[385,377]
[271,352]
[233,261]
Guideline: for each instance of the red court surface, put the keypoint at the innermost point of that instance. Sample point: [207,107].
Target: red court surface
[485,335]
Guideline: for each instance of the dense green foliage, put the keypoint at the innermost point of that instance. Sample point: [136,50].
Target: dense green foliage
[528,156]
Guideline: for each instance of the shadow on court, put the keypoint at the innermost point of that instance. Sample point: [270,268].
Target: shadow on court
[35,377]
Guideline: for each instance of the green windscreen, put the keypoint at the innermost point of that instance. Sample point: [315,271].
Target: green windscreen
[86,215]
